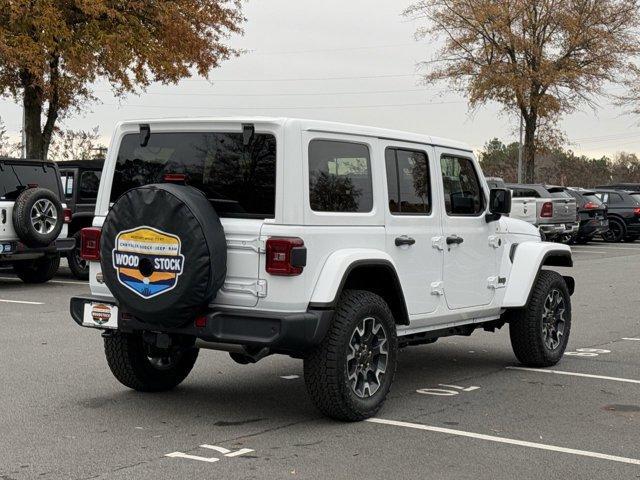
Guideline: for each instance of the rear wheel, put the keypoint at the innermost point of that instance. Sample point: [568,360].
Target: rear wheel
[145,369]
[78,265]
[616,231]
[40,270]
[540,332]
[350,373]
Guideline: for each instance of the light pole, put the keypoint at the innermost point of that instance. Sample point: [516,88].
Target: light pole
[520,152]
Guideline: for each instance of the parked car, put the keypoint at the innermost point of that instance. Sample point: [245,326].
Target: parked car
[337,246]
[627,187]
[556,210]
[522,208]
[592,213]
[80,181]
[623,211]
[33,219]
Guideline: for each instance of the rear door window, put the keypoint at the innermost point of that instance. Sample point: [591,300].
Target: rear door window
[340,177]
[408,182]
[238,179]
[615,199]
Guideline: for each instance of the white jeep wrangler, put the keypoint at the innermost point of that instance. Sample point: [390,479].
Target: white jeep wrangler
[33,219]
[337,244]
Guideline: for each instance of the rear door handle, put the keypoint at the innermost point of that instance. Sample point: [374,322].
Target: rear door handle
[404,240]
[454,240]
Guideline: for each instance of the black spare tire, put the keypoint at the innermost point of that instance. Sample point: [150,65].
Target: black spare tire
[163,253]
[37,217]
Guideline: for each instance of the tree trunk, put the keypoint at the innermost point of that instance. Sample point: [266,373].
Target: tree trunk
[32,104]
[529,154]
[37,136]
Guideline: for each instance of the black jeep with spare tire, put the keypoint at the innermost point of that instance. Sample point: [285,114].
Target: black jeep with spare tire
[33,219]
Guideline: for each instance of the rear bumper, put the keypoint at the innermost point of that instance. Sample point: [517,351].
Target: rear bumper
[280,332]
[592,227]
[10,251]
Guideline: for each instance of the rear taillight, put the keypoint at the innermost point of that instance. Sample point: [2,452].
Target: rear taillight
[66,213]
[547,210]
[90,244]
[590,206]
[636,211]
[286,256]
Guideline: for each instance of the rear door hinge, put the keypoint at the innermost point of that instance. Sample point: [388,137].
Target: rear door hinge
[496,282]
[437,288]
[257,288]
[255,244]
[438,243]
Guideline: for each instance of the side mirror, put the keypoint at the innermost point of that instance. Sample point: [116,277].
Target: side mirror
[499,203]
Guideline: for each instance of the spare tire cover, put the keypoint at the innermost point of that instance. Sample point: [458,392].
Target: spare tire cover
[163,253]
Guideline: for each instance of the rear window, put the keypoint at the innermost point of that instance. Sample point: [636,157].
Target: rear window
[525,193]
[558,193]
[89,183]
[593,198]
[15,178]
[636,197]
[239,180]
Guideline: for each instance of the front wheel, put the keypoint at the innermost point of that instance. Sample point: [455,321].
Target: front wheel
[540,332]
[349,375]
[139,367]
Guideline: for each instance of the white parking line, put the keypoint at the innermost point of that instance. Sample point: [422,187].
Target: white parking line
[632,339]
[521,443]
[21,302]
[68,282]
[575,374]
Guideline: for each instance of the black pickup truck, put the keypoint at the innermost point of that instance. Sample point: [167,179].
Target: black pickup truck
[80,181]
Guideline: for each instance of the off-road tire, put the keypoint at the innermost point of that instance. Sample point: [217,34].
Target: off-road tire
[78,271]
[128,361]
[22,222]
[40,270]
[615,234]
[525,325]
[325,367]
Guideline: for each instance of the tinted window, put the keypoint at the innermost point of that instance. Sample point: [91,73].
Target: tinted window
[239,180]
[89,183]
[615,199]
[339,177]
[408,182]
[593,198]
[462,190]
[15,178]
[525,193]
[555,193]
[636,197]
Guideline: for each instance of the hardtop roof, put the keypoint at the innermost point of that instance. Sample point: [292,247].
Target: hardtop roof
[315,126]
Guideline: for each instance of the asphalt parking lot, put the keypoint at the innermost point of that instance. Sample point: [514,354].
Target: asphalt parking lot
[458,409]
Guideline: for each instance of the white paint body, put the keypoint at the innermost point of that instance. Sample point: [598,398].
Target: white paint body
[467,274]
[8,232]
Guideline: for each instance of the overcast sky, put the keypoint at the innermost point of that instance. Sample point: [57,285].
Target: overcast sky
[353,61]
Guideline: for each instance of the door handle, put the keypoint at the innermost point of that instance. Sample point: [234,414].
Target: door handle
[404,240]
[454,240]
